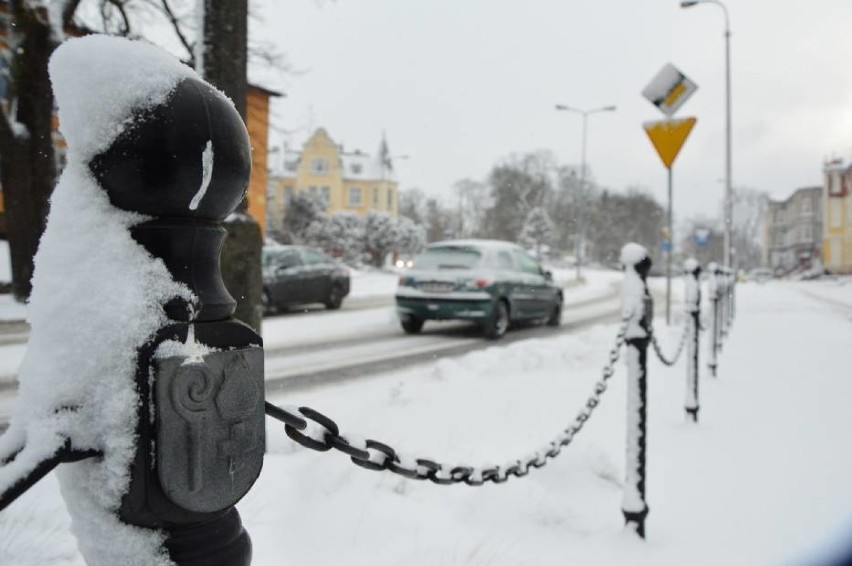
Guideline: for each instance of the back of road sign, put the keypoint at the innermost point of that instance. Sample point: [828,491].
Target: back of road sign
[669,89]
[668,137]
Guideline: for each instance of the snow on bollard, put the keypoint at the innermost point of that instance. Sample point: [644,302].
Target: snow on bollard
[722,289]
[638,308]
[729,299]
[133,354]
[693,309]
[713,293]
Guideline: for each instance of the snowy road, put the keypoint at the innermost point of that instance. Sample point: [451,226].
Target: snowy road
[385,348]
[330,346]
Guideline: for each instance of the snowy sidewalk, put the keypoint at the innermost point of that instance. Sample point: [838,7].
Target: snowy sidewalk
[764,478]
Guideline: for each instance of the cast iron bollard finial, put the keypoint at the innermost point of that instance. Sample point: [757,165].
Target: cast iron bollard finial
[186,163]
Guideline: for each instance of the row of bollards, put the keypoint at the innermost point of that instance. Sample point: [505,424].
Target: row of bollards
[637,309]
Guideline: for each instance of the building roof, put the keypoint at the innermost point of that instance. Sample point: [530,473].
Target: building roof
[355,165]
[817,189]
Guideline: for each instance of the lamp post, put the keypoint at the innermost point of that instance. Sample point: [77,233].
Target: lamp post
[581,220]
[728,190]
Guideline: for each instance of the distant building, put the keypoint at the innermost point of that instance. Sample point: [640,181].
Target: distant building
[837,237]
[347,181]
[793,231]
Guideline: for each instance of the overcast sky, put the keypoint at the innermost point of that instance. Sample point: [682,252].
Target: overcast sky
[459,84]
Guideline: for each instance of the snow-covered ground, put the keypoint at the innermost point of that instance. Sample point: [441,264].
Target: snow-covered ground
[5,262]
[764,478]
[833,289]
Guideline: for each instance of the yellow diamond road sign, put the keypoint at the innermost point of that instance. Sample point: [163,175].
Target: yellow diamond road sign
[668,137]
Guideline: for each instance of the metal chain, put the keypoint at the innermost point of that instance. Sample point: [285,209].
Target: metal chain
[658,349]
[316,431]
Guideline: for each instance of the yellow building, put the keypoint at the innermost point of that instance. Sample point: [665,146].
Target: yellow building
[347,181]
[837,221]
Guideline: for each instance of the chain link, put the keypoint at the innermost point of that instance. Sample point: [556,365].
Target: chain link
[314,430]
[658,349]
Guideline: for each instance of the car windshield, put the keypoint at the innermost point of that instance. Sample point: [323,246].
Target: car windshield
[448,257]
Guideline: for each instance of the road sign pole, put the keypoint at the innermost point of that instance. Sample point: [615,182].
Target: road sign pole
[670,253]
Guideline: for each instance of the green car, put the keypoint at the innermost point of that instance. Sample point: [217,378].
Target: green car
[488,282]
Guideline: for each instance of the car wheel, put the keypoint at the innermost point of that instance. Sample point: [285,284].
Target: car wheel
[498,324]
[555,318]
[266,302]
[412,324]
[335,298]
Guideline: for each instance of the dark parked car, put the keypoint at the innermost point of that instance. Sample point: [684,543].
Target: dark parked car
[488,282]
[297,275]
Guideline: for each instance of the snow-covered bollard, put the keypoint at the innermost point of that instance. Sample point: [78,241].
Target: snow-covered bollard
[693,309]
[713,293]
[638,308]
[724,284]
[133,354]
[729,298]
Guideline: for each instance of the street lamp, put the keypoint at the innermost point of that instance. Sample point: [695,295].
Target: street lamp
[581,221]
[728,195]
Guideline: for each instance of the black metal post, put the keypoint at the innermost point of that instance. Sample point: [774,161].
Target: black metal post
[713,291]
[640,306]
[201,435]
[693,308]
[734,299]
[730,294]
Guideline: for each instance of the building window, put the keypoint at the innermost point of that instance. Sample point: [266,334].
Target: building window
[375,197]
[354,197]
[290,165]
[319,166]
[288,194]
[357,168]
[390,199]
[835,184]
[325,192]
[835,217]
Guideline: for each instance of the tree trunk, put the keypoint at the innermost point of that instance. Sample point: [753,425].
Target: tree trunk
[223,57]
[29,170]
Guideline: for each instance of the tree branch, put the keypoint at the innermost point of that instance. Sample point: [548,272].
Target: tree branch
[68,9]
[175,21]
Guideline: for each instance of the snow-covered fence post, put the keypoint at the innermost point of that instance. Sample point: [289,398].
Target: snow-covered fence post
[638,307]
[134,356]
[734,298]
[713,293]
[201,432]
[693,309]
[732,285]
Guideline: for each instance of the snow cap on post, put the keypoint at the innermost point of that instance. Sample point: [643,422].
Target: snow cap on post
[636,256]
[157,140]
[92,118]
[691,266]
[636,264]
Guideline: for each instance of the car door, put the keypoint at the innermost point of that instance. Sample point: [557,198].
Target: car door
[316,276]
[286,287]
[533,287]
